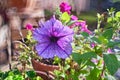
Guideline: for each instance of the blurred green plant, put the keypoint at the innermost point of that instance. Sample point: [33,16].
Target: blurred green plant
[15,74]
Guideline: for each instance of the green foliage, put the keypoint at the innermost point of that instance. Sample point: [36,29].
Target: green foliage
[65,17]
[31,74]
[85,34]
[94,74]
[111,63]
[83,57]
[96,40]
[108,33]
[113,43]
[117,14]
[15,74]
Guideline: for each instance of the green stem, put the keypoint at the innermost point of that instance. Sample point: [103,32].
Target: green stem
[98,26]
[24,66]
[100,76]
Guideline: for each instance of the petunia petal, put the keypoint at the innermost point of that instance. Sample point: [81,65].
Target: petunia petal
[64,41]
[63,53]
[48,51]
[66,31]
[40,37]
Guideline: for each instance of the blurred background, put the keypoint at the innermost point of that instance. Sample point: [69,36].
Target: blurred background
[15,14]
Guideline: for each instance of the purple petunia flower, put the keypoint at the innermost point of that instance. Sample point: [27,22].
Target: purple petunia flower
[54,39]
[65,7]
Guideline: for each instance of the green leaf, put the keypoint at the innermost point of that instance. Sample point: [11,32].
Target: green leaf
[66,67]
[31,74]
[65,17]
[57,72]
[108,33]
[74,74]
[117,14]
[98,50]
[109,20]
[85,34]
[62,75]
[16,71]
[88,55]
[94,72]
[5,75]
[112,44]
[85,56]
[90,63]
[103,39]
[111,62]
[96,40]
[76,57]
[9,78]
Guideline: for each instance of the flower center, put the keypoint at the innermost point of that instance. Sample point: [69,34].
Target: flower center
[54,39]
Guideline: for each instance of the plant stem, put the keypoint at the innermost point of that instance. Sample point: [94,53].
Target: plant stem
[24,66]
[100,76]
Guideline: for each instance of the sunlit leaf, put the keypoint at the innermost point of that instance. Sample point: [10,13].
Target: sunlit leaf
[108,33]
[96,40]
[65,17]
[117,14]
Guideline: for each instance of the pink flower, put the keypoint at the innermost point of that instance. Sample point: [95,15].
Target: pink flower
[73,17]
[84,27]
[109,50]
[93,45]
[29,26]
[75,24]
[65,7]
[95,61]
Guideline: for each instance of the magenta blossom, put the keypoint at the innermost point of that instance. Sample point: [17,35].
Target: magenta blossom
[54,39]
[93,44]
[94,60]
[77,23]
[109,50]
[84,27]
[65,7]
[74,17]
[29,26]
